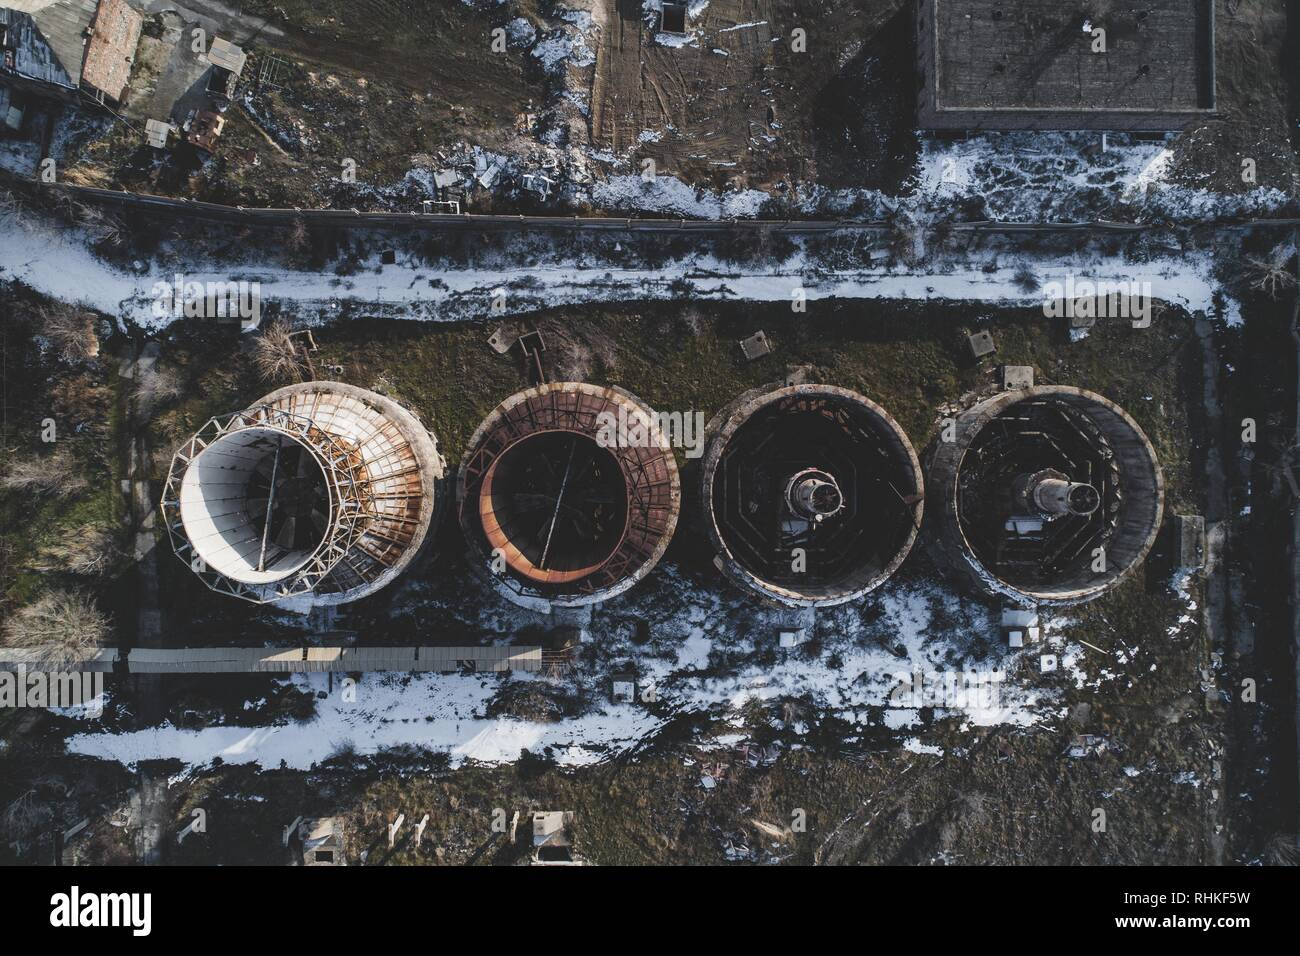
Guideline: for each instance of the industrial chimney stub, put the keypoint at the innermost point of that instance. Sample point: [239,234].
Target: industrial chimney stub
[1044,495]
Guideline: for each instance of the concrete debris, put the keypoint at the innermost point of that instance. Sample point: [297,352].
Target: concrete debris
[756,346]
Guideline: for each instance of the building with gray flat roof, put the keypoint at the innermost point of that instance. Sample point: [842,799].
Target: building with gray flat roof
[1064,64]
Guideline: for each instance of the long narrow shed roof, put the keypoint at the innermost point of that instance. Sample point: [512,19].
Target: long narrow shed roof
[284,660]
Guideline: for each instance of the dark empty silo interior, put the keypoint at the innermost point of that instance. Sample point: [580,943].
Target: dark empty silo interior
[813,494]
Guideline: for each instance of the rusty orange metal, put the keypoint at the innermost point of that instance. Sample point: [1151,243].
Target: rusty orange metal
[515,559]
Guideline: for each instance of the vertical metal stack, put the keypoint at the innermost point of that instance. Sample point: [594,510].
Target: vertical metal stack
[1045,494]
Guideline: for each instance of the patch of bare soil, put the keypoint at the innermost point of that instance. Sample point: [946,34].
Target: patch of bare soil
[385,85]
[747,102]
[1253,54]
[434,45]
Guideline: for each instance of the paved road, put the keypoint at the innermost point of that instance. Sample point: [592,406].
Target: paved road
[149,698]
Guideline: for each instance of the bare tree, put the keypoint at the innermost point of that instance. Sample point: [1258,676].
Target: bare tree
[86,550]
[911,232]
[100,225]
[70,329]
[1025,279]
[1273,274]
[63,626]
[1282,849]
[277,356]
[156,386]
[23,819]
[12,207]
[297,237]
[49,474]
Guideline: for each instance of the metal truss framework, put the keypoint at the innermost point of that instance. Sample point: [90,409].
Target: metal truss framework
[352,500]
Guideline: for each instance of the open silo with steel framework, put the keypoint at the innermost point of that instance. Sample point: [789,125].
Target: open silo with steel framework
[1044,495]
[568,494]
[812,494]
[319,490]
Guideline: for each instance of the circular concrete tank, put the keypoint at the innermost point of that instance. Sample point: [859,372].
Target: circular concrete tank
[233,521]
[568,494]
[319,490]
[812,494]
[1047,494]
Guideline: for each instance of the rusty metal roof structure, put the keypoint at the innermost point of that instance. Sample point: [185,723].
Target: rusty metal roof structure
[320,489]
[812,494]
[1048,494]
[205,129]
[110,50]
[568,494]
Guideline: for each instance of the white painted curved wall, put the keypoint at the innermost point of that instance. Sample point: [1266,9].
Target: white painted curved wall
[214,507]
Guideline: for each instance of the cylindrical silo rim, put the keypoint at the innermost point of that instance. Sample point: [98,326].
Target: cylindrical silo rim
[510,588]
[423,447]
[943,473]
[720,431]
[429,460]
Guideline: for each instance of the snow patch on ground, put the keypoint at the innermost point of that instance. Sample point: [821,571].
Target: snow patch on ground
[1181,584]
[914,745]
[1013,177]
[520,32]
[1048,176]
[698,662]
[58,263]
[676,40]
[556,51]
[440,713]
[667,194]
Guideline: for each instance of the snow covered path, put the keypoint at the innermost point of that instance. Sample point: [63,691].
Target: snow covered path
[60,264]
[434,712]
[856,678]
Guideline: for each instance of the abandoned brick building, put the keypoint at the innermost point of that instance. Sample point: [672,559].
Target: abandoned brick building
[63,49]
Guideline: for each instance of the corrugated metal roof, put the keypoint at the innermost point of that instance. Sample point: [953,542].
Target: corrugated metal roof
[35,56]
[197,660]
[226,55]
[494,659]
[47,42]
[286,660]
[336,659]
[34,657]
